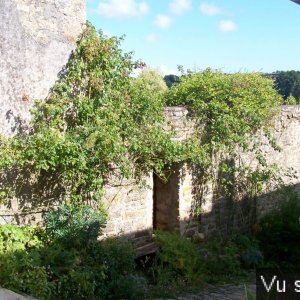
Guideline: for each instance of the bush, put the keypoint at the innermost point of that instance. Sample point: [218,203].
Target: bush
[67,261]
[20,260]
[221,260]
[176,266]
[13,238]
[121,280]
[74,225]
[177,257]
[279,233]
[251,256]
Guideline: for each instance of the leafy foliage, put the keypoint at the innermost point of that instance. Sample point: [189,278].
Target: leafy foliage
[179,254]
[151,81]
[182,264]
[278,233]
[74,225]
[20,260]
[67,261]
[14,238]
[229,110]
[288,84]
[97,121]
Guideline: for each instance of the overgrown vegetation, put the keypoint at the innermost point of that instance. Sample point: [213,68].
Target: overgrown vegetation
[98,121]
[184,264]
[188,265]
[278,233]
[228,108]
[229,111]
[66,261]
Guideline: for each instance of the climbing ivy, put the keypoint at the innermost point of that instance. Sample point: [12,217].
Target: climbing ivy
[95,122]
[98,121]
[229,111]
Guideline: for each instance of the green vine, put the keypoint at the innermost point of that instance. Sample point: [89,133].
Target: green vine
[233,115]
[98,121]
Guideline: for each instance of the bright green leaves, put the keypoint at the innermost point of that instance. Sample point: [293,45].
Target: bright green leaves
[231,107]
[96,121]
[229,110]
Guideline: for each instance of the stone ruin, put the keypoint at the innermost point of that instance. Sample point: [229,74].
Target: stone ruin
[36,39]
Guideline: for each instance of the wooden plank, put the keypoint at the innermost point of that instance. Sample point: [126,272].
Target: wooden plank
[146,249]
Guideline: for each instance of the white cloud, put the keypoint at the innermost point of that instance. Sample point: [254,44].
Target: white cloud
[164,70]
[227,26]
[178,7]
[122,8]
[210,9]
[163,21]
[151,38]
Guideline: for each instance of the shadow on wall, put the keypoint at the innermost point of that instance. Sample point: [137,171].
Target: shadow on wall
[187,205]
[18,125]
[239,211]
[27,198]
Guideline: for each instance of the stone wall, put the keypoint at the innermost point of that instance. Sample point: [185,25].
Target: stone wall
[36,40]
[286,130]
[183,203]
[202,208]
[130,209]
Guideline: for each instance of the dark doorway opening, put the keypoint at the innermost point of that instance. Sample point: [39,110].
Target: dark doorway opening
[166,202]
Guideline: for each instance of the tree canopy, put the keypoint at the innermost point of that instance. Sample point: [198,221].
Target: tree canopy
[288,84]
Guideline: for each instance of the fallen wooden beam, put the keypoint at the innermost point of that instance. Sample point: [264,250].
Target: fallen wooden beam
[146,249]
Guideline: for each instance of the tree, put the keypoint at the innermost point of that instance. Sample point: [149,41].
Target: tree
[287,84]
[171,80]
[152,81]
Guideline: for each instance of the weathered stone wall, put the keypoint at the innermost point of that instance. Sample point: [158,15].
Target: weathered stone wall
[287,135]
[183,203]
[202,208]
[36,40]
[130,209]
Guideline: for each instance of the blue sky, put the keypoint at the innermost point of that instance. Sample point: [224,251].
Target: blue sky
[231,35]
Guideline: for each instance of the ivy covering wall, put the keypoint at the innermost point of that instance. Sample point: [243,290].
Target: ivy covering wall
[98,121]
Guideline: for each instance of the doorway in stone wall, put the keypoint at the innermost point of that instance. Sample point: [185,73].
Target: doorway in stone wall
[166,202]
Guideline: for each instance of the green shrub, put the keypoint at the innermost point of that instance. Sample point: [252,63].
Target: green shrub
[67,261]
[82,267]
[20,261]
[13,238]
[179,255]
[250,254]
[279,233]
[222,260]
[74,225]
[121,280]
